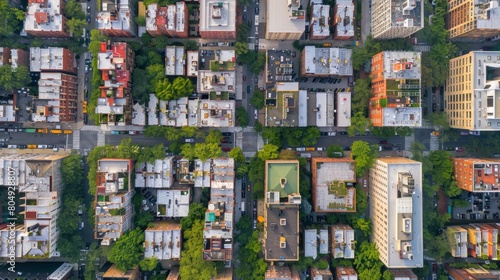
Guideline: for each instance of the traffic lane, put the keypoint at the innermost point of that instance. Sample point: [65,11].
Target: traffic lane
[88,139]
[39,138]
[346,141]
[88,232]
[115,139]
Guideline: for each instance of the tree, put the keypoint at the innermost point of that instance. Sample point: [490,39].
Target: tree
[140,20]
[160,42]
[237,154]
[191,45]
[258,65]
[436,246]
[14,78]
[273,135]
[292,135]
[268,152]
[154,58]
[126,252]
[202,151]
[361,96]
[311,136]
[367,262]
[359,124]
[180,87]
[241,48]
[70,246]
[140,85]
[241,116]
[364,155]
[148,264]
[76,26]
[73,9]
[142,219]
[287,155]
[155,74]
[196,212]
[258,127]
[192,265]
[417,150]
[364,225]
[387,275]
[258,99]
[12,19]
[214,136]
[457,202]
[335,151]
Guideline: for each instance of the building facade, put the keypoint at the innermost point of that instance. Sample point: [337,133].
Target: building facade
[471,91]
[477,175]
[473,20]
[396,211]
[396,18]
[396,81]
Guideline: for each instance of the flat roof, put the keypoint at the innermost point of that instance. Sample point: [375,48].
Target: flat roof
[406,13]
[325,104]
[303,110]
[281,109]
[216,81]
[311,243]
[344,18]
[192,63]
[343,244]
[153,15]
[343,109]
[292,21]
[279,66]
[173,203]
[44,17]
[320,20]
[282,233]
[112,16]
[163,241]
[408,116]
[158,174]
[217,113]
[402,65]
[327,61]
[279,170]
[51,59]
[174,61]
[217,15]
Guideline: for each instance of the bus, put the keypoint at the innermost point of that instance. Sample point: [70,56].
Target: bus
[30,130]
[68,131]
[55,131]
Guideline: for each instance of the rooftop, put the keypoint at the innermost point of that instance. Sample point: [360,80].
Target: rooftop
[406,13]
[320,20]
[163,241]
[343,109]
[216,81]
[175,60]
[192,63]
[281,272]
[281,105]
[343,242]
[311,243]
[279,66]
[346,273]
[114,273]
[293,21]
[116,15]
[155,16]
[155,175]
[217,15]
[173,203]
[52,59]
[344,18]
[113,57]
[44,16]
[216,113]
[283,177]
[332,180]
[327,61]
[402,65]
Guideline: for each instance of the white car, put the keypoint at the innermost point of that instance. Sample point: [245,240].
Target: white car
[301,149]
[256,114]
[332,133]
[189,140]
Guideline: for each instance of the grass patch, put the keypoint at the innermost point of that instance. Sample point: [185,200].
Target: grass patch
[221,65]
[337,188]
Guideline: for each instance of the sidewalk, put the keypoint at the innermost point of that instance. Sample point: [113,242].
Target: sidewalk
[72,126]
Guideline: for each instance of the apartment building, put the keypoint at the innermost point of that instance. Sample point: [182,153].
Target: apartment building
[172,20]
[283,272]
[218,19]
[324,62]
[478,273]
[403,274]
[163,241]
[396,211]
[14,57]
[52,60]
[471,90]
[476,174]
[45,18]
[116,18]
[482,240]
[175,61]
[396,18]
[158,175]
[113,199]
[345,273]
[343,114]
[192,63]
[219,218]
[311,243]
[396,81]
[288,24]
[282,105]
[116,62]
[173,203]
[281,215]
[457,236]
[39,185]
[332,184]
[343,20]
[321,274]
[319,25]
[343,244]
[473,20]
[57,98]
[114,273]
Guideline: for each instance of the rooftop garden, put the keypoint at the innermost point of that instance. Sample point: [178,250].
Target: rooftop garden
[162,209]
[216,65]
[337,188]
[223,95]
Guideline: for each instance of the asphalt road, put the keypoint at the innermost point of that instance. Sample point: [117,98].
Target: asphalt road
[38,138]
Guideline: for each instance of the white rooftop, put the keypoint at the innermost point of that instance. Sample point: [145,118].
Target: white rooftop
[217,113]
[343,109]
[311,243]
[164,244]
[151,14]
[284,22]
[217,15]
[174,61]
[224,81]
[402,65]
[138,114]
[155,175]
[345,18]
[192,63]
[14,57]
[328,174]
[116,17]
[8,112]
[171,17]
[343,239]
[41,17]
[328,61]
[46,59]
[320,20]
[179,17]
[323,241]
[172,203]
[303,108]
[407,116]
[201,173]
[325,103]
[153,110]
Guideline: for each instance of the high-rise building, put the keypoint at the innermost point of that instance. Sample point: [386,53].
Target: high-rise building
[287,24]
[281,214]
[477,175]
[472,90]
[396,211]
[396,93]
[473,20]
[396,18]
[218,19]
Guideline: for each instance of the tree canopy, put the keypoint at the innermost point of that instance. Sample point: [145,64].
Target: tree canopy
[237,154]
[359,124]
[202,151]
[241,116]
[364,155]
[180,87]
[335,151]
[367,262]
[192,265]
[268,152]
[127,251]
[14,78]
[12,19]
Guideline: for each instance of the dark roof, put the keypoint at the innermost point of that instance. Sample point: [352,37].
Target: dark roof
[29,270]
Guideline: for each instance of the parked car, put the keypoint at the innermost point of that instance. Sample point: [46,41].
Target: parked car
[459,149]
[80,209]
[133,132]
[22,146]
[226,133]
[226,149]
[115,132]
[189,140]
[301,149]
[332,133]
[383,142]
[147,195]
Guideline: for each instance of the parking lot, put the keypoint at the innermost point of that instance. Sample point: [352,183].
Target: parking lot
[483,206]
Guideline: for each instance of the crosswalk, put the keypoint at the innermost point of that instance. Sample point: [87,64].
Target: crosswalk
[434,145]
[101,139]
[91,128]
[76,139]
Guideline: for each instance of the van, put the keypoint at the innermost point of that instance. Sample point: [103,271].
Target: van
[256,20]
[12,146]
[242,208]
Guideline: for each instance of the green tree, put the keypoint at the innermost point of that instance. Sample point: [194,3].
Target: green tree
[258,99]
[362,95]
[436,246]
[202,151]
[126,252]
[274,135]
[155,74]
[258,65]
[69,247]
[148,264]
[140,20]
[160,42]
[191,45]
[192,265]
[311,135]
[241,48]
[387,275]
[292,135]
[14,78]
[364,225]
[237,154]
[76,26]
[335,151]
[287,155]
[142,219]
[140,85]
[359,124]
[12,19]
[214,136]
[196,212]
[154,58]
[268,152]
[364,155]
[73,9]
[241,116]
[321,264]
[367,262]
[258,127]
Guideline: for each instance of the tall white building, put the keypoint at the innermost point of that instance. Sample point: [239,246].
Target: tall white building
[396,211]
[396,18]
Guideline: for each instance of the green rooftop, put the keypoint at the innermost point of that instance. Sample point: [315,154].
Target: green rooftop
[282,177]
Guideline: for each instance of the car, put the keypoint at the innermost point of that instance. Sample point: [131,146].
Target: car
[226,140]
[87,61]
[22,146]
[50,147]
[88,8]
[245,17]
[434,107]
[133,132]
[256,113]
[189,140]
[88,18]
[244,78]
[115,132]
[42,146]
[332,133]
[343,133]
[256,80]
[2,129]
[243,193]
[301,149]
[469,211]
[364,183]
[226,133]
[152,200]
[383,142]
[320,149]
[3,145]
[459,149]
[147,195]
[80,209]
[347,148]
[256,10]
[323,133]
[86,68]
[82,225]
